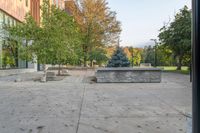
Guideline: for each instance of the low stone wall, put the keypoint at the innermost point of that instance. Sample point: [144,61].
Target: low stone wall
[15,71]
[128,75]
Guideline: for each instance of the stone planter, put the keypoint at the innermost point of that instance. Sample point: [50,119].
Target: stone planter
[128,75]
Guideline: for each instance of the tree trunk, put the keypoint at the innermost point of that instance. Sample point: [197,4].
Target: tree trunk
[85,60]
[91,63]
[59,69]
[179,65]
[44,78]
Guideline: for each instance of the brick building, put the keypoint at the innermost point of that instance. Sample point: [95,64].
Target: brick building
[11,13]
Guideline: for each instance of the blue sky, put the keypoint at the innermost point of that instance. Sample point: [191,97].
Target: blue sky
[141,19]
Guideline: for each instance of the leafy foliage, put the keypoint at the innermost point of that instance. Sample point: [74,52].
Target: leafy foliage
[10,52]
[148,55]
[54,41]
[177,36]
[164,55]
[134,55]
[99,55]
[98,25]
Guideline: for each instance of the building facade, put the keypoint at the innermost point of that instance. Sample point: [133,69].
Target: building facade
[17,9]
[35,9]
[59,3]
[11,13]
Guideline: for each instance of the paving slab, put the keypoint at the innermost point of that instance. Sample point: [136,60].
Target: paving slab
[76,105]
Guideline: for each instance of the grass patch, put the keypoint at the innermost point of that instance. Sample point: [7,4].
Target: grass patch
[184,69]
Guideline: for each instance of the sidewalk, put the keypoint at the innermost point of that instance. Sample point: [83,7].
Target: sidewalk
[75,106]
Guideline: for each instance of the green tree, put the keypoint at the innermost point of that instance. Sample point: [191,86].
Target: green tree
[65,37]
[55,41]
[10,52]
[98,24]
[165,56]
[24,34]
[99,55]
[148,55]
[135,55]
[119,59]
[177,36]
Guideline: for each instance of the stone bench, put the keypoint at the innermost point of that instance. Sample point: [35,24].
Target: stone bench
[128,75]
[51,76]
[145,65]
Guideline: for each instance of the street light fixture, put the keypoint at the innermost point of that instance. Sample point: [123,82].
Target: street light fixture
[156,43]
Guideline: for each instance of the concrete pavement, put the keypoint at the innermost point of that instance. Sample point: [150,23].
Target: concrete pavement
[75,105]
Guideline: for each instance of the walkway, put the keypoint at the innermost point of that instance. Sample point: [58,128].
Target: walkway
[74,105]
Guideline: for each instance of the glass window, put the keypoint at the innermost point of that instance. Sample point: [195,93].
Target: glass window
[56,2]
[1,20]
[1,17]
[1,37]
[26,2]
[4,18]
[8,21]
[8,47]
[61,5]
[15,22]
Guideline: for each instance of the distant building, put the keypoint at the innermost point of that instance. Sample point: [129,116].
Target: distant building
[11,13]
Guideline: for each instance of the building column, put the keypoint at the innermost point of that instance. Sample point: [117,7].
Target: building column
[196,65]
[1,55]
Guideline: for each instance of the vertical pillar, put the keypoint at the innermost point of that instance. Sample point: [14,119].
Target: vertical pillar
[2,18]
[196,65]
[1,54]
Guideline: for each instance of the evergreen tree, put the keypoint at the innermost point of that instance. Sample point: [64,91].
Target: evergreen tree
[119,59]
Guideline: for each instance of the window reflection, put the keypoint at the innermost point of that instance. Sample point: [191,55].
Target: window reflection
[9,52]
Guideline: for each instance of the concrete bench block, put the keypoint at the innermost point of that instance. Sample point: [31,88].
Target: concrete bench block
[51,76]
[128,75]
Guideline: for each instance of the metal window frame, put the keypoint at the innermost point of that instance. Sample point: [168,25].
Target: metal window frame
[196,66]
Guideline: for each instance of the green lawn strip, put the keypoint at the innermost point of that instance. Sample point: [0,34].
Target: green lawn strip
[184,69]
[178,71]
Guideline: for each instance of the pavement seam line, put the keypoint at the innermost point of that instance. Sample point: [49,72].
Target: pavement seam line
[82,100]
[172,107]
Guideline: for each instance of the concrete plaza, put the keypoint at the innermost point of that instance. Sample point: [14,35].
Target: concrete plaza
[76,105]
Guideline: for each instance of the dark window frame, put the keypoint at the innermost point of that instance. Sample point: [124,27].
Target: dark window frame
[196,66]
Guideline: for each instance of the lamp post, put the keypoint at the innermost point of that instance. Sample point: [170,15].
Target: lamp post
[118,42]
[156,43]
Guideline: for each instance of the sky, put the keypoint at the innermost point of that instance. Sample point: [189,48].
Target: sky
[142,19]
